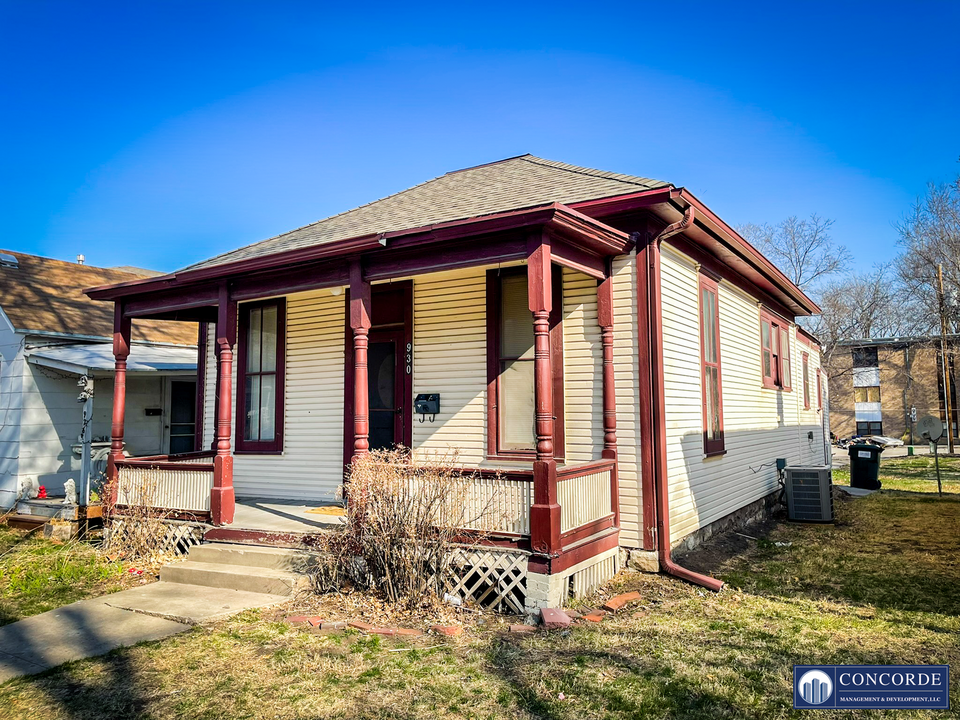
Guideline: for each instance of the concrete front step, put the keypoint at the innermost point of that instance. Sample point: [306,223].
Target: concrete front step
[234,577]
[249,556]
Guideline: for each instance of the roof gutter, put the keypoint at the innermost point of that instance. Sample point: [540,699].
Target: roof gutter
[655,410]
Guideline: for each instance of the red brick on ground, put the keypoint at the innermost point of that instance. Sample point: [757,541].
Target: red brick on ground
[298,619]
[360,625]
[614,604]
[315,621]
[573,614]
[448,630]
[595,616]
[384,631]
[554,619]
[522,628]
[410,632]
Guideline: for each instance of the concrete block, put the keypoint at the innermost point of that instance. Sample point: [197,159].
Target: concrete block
[333,625]
[644,561]
[60,531]
[553,619]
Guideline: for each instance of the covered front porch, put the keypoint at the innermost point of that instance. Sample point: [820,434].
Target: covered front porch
[364,329]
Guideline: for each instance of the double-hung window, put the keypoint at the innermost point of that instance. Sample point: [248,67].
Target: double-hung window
[710,365]
[775,362]
[260,377]
[510,366]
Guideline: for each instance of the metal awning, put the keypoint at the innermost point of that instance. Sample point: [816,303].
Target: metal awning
[97,358]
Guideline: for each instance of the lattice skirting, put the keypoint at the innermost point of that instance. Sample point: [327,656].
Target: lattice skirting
[493,578]
[176,536]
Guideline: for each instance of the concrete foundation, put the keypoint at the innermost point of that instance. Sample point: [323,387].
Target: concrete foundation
[553,591]
[754,512]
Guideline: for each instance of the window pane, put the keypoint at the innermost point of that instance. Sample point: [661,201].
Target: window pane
[268,357]
[251,426]
[268,401]
[517,406]
[767,364]
[253,340]
[712,393]
[709,324]
[787,379]
[767,349]
[516,321]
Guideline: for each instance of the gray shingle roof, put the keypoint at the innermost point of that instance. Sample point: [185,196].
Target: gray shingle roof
[511,184]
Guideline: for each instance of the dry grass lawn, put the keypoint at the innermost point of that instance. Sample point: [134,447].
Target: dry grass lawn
[881,586]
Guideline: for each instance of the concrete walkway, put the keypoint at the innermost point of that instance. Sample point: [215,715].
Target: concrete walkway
[98,625]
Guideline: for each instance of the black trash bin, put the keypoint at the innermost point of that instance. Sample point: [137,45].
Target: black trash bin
[865,466]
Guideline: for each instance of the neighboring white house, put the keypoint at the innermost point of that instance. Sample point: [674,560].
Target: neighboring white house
[56,377]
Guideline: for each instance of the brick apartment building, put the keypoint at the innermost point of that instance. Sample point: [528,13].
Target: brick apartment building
[883,386]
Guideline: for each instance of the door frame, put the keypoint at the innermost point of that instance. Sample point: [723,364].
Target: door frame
[402,321]
[166,419]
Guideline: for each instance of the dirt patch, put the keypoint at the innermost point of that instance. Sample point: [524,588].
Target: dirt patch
[718,551]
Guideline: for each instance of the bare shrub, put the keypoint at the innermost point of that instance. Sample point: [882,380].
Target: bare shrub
[405,519]
[136,528]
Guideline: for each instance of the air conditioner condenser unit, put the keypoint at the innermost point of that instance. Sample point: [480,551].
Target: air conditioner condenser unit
[809,493]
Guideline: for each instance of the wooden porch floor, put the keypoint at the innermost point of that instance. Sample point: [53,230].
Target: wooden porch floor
[285,516]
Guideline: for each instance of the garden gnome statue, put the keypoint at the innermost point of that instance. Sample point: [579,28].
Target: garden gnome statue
[70,490]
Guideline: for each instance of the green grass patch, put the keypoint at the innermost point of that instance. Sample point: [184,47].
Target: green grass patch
[37,575]
[917,473]
[877,587]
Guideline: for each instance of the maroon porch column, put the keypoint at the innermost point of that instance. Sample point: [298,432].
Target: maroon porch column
[545,511]
[121,350]
[222,498]
[605,320]
[360,323]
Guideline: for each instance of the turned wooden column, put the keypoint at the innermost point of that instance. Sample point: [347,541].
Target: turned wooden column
[605,321]
[545,511]
[121,350]
[360,323]
[222,497]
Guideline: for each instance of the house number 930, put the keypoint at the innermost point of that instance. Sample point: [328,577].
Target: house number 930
[409,358]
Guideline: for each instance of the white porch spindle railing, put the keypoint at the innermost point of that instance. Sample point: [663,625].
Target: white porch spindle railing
[184,489]
[499,504]
[583,499]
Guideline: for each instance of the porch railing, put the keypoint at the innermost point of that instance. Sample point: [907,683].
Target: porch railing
[177,483]
[500,502]
[586,494]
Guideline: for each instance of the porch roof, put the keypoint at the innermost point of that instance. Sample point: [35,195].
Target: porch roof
[88,358]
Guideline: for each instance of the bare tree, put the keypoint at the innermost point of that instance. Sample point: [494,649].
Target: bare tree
[930,236]
[803,249]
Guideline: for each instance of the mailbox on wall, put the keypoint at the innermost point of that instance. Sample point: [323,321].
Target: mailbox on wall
[427,404]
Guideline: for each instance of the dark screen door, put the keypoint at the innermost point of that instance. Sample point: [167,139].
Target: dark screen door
[183,416]
[384,359]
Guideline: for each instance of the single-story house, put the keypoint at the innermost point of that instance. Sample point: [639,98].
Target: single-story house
[628,361]
[56,378]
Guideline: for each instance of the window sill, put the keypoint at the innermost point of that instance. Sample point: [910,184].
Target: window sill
[258,452]
[519,457]
[714,454]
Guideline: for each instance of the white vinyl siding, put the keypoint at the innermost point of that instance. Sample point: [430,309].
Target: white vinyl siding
[209,388]
[627,382]
[311,466]
[450,358]
[582,369]
[760,425]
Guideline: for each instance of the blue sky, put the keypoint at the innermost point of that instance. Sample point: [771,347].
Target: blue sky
[160,133]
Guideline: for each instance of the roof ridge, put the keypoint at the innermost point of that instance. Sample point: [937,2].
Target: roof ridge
[590,172]
[18,253]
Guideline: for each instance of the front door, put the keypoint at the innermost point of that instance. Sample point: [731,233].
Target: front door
[182,426]
[385,366]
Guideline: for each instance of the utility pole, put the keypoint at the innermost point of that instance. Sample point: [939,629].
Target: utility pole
[943,357]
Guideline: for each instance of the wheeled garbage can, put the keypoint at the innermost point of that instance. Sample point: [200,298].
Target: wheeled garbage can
[865,466]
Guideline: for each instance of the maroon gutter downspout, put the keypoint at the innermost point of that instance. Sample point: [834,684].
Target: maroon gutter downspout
[658,406]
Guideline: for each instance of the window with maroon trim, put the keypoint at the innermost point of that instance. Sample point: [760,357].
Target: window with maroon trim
[806,381]
[775,352]
[260,377]
[710,362]
[510,363]
[819,392]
